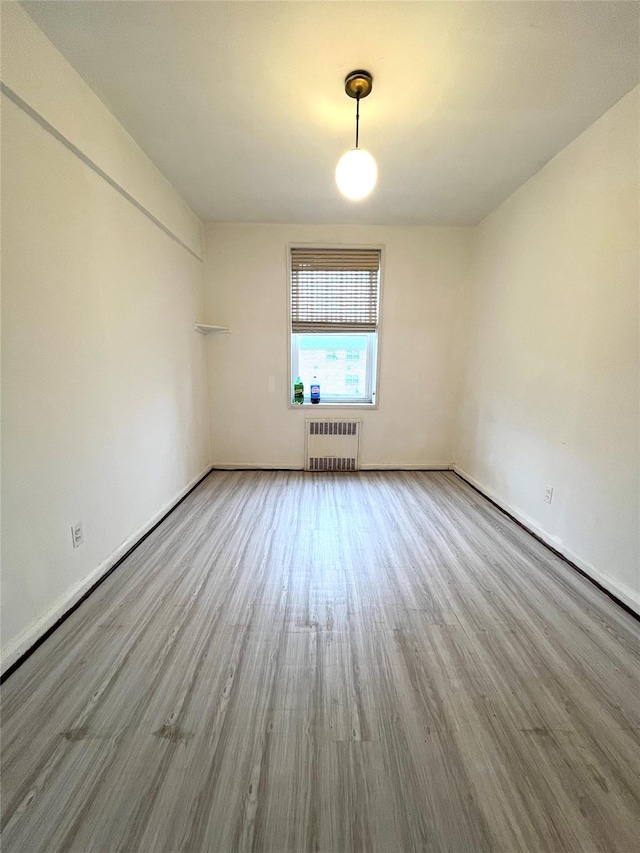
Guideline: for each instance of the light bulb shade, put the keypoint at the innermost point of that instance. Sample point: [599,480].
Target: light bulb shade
[356,174]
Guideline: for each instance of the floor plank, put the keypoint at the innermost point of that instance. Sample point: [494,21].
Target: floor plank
[325,662]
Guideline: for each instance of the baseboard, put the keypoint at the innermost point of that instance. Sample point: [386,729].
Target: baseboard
[253,466]
[619,591]
[373,466]
[406,466]
[32,636]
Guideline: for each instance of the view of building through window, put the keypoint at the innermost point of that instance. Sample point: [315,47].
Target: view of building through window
[338,361]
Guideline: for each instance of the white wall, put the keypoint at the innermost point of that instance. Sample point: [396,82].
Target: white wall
[247,288]
[36,73]
[551,392]
[103,377]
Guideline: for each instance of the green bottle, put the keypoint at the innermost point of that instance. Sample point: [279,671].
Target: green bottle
[298,392]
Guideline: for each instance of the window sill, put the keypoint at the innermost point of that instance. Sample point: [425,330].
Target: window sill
[314,406]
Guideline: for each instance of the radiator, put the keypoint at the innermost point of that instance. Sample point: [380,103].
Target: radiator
[332,445]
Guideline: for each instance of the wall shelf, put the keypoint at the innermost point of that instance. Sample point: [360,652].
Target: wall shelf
[206,329]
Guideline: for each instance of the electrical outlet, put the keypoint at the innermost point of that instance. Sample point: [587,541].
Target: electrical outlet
[548,494]
[77,536]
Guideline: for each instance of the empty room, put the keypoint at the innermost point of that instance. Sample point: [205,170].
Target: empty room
[320,427]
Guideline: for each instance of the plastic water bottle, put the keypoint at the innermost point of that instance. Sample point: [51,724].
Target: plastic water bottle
[314,389]
[298,392]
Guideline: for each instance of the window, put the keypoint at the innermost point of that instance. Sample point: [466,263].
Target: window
[334,322]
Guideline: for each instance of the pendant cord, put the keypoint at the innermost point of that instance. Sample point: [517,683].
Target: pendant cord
[357,118]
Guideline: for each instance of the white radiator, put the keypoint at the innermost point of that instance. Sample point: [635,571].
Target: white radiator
[332,445]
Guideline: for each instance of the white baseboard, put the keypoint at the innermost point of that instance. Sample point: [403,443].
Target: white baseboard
[27,638]
[253,466]
[406,466]
[621,591]
[373,466]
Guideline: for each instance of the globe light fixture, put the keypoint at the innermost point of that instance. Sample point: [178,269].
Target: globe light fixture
[356,172]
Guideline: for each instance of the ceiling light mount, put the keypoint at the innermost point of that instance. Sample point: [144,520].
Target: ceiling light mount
[358,84]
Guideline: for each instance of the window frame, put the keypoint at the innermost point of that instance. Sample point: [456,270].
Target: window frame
[373,362]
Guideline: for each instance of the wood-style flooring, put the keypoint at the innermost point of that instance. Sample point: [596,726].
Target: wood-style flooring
[333,663]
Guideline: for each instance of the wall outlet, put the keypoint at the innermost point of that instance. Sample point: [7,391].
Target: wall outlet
[77,536]
[548,494]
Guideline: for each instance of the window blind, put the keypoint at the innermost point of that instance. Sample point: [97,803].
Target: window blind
[334,290]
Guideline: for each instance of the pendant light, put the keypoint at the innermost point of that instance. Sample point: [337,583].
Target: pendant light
[356,172]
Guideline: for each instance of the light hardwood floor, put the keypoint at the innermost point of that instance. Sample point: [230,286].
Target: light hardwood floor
[330,662]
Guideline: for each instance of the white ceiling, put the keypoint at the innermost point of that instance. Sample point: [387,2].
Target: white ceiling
[242,106]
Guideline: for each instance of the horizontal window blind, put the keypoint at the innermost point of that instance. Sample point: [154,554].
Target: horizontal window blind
[334,290]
